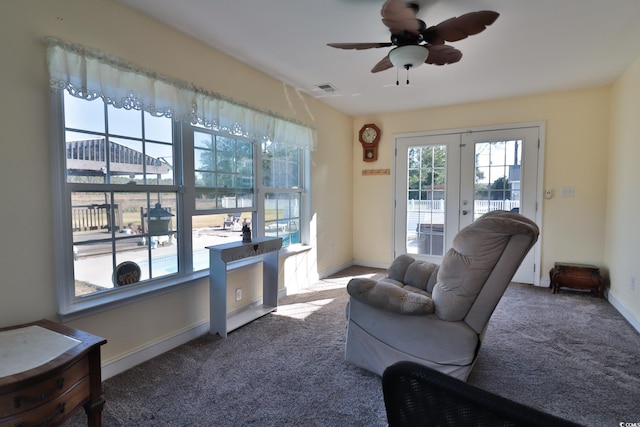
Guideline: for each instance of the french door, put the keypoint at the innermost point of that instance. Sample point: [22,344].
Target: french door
[443,182]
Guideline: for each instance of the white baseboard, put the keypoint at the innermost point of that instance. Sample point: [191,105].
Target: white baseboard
[129,360]
[334,270]
[135,357]
[382,265]
[622,309]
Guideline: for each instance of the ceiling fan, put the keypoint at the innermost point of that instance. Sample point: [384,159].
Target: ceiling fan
[415,42]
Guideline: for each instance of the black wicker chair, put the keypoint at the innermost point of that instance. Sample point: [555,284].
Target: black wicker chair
[415,395]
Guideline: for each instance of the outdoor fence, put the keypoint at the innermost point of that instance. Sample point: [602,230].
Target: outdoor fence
[95,217]
[432,211]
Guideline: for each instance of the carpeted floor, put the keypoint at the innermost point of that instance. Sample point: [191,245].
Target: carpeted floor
[569,354]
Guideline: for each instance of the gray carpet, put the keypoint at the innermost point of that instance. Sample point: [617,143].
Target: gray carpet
[569,354]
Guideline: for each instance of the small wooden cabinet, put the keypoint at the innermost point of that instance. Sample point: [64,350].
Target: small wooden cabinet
[576,276]
[47,371]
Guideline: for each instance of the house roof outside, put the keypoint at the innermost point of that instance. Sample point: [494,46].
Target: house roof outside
[88,157]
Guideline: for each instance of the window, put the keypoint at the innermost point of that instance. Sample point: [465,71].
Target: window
[120,181]
[223,168]
[223,190]
[281,180]
[151,185]
[125,192]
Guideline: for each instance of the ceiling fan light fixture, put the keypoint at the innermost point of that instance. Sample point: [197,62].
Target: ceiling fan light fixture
[409,56]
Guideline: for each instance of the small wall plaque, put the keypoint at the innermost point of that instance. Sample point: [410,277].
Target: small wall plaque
[370,172]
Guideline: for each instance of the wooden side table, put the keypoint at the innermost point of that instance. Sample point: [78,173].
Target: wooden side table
[576,276]
[47,371]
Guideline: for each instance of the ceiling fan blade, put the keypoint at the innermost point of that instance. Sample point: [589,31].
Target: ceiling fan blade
[442,54]
[400,16]
[413,26]
[459,28]
[398,10]
[384,64]
[359,46]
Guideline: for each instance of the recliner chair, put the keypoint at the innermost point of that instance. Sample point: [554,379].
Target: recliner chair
[437,315]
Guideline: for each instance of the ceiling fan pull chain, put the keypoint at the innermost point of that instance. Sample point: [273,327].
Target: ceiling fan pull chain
[397,77]
[407,76]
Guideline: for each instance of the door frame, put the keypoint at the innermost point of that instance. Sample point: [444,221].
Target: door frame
[541,125]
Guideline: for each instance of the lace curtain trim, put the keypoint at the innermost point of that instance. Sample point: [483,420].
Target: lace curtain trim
[90,73]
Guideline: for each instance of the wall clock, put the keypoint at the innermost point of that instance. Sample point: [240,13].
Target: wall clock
[369,138]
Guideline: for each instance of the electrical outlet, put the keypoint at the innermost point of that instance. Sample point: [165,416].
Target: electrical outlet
[238,294]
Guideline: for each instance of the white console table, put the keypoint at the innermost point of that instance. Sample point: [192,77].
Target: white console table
[221,258]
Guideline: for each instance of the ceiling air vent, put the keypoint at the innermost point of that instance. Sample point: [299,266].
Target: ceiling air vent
[326,87]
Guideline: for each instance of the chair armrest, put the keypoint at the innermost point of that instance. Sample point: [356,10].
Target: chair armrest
[389,296]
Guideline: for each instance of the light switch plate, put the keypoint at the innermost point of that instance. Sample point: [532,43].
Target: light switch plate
[568,191]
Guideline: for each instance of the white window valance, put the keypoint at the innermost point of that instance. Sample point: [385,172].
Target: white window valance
[90,73]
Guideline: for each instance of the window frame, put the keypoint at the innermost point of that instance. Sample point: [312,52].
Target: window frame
[71,306]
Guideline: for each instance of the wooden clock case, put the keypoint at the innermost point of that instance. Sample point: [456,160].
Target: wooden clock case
[369,137]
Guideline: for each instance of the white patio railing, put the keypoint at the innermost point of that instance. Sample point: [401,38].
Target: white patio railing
[432,211]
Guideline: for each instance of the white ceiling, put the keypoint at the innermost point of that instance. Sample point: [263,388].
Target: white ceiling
[535,46]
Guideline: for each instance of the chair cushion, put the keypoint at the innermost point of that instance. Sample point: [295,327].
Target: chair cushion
[418,274]
[390,295]
[399,267]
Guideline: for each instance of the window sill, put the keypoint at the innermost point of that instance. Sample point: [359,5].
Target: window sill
[101,303]
[293,250]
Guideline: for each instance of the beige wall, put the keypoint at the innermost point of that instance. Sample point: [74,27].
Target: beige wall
[27,290]
[622,253]
[576,154]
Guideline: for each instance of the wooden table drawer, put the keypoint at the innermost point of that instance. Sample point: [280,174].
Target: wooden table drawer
[38,394]
[54,412]
[51,371]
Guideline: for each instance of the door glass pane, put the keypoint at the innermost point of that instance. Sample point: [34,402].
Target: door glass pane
[497,177]
[426,173]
